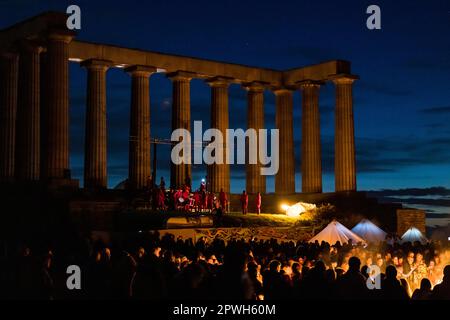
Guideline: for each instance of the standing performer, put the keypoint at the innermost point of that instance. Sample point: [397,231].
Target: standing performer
[223,200]
[162,184]
[211,199]
[161,200]
[244,202]
[258,203]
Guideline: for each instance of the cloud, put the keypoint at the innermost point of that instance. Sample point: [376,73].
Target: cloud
[384,89]
[436,110]
[432,191]
[433,200]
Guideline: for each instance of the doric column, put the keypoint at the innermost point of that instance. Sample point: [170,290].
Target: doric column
[311,148]
[95,162]
[9,75]
[56,110]
[285,178]
[181,118]
[344,163]
[219,174]
[139,157]
[28,114]
[255,182]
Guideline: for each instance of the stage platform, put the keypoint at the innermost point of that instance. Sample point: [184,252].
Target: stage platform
[37,209]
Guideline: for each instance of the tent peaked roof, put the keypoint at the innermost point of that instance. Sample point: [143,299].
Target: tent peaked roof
[335,232]
[412,235]
[369,231]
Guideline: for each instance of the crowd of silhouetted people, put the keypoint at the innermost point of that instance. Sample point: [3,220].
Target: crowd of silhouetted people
[150,266]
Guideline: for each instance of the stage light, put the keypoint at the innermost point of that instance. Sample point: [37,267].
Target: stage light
[285,207]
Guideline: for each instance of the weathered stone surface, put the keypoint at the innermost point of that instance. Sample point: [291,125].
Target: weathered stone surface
[255,120]
[55,113]
[95,162]
[311,148]
[344,158]
[181,119]
[219,174]
[285,178]
[9,75]
[139,156]
[28,114]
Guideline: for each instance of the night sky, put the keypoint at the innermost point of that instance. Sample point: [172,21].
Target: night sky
[401,103]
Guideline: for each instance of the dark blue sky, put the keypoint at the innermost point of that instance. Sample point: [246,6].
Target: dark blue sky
[402,102]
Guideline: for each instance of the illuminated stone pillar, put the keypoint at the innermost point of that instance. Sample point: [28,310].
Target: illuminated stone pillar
[9,76]
[285,178]
[311,147]
[219,174]
[56,110]
[345,162]
[255,182]
[181,118]
[95,162]
[28,114]
[139,157]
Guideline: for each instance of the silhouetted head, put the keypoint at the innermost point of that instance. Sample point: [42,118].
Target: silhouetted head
[252,268]
[354,264]
[296,268]
[391,272]
[275,266]
[364,269]
[320,266]
[330,275]
[425,284]
[447,273]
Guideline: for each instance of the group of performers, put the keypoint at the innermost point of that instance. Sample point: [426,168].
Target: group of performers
[184,199]
[200,200]
[244,203]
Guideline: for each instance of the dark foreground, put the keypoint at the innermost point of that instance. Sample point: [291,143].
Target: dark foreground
[147,267]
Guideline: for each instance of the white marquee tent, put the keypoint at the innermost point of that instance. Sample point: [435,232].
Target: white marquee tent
[369,231]
[335,232]
[413,235]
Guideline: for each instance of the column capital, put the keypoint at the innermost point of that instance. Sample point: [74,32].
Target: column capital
[255,86]
[96,64]
[140,70]
[181,75]
[281,90]
[65,36]
[9,55]
[309,83]
[30,46]
[343,78]
[223,82]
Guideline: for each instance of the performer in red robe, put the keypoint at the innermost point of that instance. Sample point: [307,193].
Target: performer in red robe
[244,202]
[161,200]
[223,200]
[258,203]
[211,197]
[197,201]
